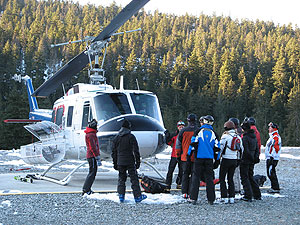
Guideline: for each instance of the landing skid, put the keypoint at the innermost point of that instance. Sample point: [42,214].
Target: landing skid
[153,167]
[63,181]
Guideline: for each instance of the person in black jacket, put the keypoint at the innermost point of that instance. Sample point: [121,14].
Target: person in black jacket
[126,157]
[249,158]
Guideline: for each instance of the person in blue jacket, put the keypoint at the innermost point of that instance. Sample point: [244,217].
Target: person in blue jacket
[205,145]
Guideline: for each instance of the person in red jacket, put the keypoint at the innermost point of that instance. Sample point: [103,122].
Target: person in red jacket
[92,155]
[252,122]
[173,162]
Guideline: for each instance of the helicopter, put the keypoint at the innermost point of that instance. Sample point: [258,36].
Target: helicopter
[61,136]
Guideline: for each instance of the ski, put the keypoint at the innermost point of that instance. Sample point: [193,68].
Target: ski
[23,179]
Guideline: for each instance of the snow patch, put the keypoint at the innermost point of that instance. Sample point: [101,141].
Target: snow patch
[129,199]
[10,191]
[6,203]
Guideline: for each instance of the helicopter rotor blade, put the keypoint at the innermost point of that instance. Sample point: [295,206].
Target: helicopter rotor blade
[81,60]
[73,67]
[120,19]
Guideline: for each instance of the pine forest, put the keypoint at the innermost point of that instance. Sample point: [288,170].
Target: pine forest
[194,64]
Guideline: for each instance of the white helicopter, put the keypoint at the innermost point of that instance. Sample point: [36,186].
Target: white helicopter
[62,138]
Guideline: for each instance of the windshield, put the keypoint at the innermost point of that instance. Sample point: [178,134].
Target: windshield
[147,105]
[111,105]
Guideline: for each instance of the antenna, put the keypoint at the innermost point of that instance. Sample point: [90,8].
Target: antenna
[121,83]
[63,87]
[137,83]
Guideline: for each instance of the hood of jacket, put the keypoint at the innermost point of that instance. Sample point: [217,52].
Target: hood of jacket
[90,130]
[123,131]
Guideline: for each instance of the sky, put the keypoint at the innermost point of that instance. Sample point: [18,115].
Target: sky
[279,11]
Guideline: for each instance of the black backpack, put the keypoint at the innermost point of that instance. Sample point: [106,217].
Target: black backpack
[260,179]
[153,185]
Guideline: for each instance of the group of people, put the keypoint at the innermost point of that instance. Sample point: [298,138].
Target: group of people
[198,151]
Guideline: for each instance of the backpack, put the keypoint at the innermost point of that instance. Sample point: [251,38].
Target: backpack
[235,144]
[153,185]
[260,179]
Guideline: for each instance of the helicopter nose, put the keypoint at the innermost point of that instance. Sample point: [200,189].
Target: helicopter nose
[138,123]
[148,132]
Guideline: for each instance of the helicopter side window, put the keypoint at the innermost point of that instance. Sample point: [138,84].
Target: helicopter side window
[59,115]
[70,116]
[87,115]
[111,105]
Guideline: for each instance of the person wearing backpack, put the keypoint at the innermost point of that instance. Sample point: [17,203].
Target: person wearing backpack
[237,176]
[126,158]
[174,161]
[272,153]
[249,158]
[205,145]
[231,148]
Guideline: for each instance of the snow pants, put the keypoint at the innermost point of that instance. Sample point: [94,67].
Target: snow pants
[135,185]
[91,176]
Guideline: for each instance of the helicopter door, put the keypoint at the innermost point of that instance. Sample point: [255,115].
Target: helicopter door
[78,139]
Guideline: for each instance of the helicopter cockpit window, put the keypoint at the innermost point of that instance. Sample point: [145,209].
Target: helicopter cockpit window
[87,115]
[111,105]
[59,115]
[146,104]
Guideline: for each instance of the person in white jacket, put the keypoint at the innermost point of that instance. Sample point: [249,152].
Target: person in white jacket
[272,153]
[231,147]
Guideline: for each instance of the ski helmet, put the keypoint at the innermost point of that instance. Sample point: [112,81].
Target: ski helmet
[236,121]
[273,125]
[180,123]
[251,120]
[93,124]
[191,117]
[201,119]
[208,120]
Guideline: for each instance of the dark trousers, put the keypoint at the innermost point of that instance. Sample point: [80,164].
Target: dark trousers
[172,165]
[91,176]
[271,173]
[204,166]
[227,168]
[186,176]
[135,186]
[250,186]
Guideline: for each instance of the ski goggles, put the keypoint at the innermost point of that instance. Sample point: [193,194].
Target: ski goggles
[273,125]
[180,123]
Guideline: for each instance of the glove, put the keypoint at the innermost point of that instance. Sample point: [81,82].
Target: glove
[137,165]
[216,164]
[188,158]
[115,166]
[194,145]
[99,163]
